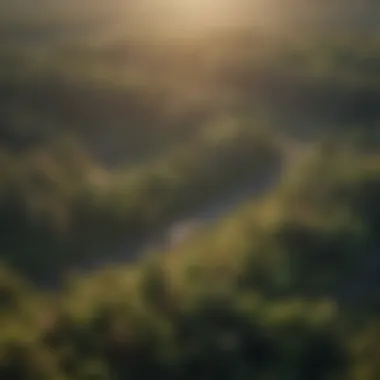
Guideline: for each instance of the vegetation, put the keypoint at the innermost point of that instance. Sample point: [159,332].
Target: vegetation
[273,308]
[58,206]
[109,136]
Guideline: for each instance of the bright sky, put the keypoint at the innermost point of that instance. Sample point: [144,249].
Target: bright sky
[188,15]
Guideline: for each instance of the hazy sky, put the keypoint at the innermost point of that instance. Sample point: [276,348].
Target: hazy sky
[179,16]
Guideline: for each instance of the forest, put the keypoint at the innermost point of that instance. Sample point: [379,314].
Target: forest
[189,202]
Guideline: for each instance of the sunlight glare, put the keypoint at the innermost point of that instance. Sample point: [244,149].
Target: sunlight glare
[188,15]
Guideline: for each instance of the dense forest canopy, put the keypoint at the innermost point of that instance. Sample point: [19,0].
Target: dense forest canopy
[189,190]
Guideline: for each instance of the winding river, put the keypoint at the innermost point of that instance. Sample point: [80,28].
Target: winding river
[186,226]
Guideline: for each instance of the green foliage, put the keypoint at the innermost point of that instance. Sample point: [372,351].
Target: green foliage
[221,335]
[265,294]
[57,206]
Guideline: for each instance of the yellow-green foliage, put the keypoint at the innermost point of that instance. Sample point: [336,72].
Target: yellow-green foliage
[264,294]
[258,296]
[59,208]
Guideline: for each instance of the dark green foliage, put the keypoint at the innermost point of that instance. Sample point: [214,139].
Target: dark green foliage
[58,206]
[214,309]
[107,143]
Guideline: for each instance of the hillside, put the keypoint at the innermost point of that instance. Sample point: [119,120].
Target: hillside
[189,190]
